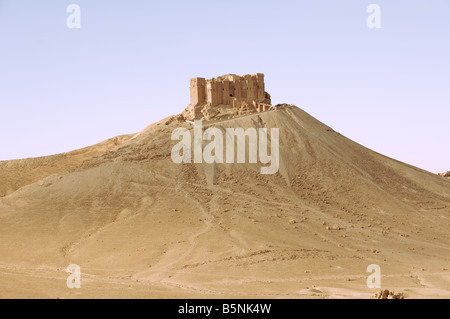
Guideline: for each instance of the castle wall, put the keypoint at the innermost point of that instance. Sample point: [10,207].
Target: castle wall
[230,89]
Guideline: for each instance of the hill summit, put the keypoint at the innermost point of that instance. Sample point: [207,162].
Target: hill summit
[227,96]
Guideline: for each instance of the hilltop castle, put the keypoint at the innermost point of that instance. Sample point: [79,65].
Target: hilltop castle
[241,94]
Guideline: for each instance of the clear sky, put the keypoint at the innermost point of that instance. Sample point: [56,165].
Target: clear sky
[130,62]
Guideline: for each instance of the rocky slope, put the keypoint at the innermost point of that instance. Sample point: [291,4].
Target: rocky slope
[140,225]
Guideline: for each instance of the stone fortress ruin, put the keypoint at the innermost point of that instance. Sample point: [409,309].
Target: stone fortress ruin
[227,96]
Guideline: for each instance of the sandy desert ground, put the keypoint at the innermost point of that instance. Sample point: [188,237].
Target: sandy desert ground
[141,226]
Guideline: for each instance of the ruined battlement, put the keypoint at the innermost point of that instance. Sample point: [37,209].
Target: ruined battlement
[240,93]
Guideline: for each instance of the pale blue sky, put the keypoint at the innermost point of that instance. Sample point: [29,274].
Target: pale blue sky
[129,65]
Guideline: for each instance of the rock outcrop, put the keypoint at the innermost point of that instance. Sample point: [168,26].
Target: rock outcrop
[446,174]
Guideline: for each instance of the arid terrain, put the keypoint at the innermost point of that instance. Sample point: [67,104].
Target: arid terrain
[141,226]
[446,174]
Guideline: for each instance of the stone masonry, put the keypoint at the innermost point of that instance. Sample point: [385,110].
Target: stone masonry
[237,92]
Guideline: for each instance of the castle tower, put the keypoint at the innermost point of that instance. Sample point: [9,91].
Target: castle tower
[219,91]
[252,87]
[260,95]
[236,88]
[198,91]
[211,93]
[226,92]
[243,84]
